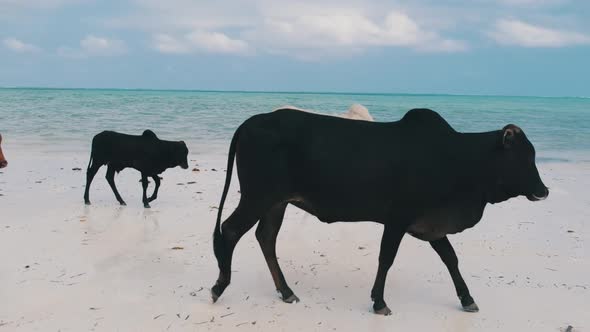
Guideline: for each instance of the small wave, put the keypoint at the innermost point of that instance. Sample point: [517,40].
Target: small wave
[553,160]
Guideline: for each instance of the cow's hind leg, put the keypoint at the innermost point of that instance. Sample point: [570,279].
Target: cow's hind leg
[390,242]
[445,251]
[266,233]
[157,182]
[144,185]
[90,173]
[110,176]
[234,227]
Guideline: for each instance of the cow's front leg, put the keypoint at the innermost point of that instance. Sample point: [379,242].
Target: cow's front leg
[445,251]
[144,184]
[392,237]
[157,182]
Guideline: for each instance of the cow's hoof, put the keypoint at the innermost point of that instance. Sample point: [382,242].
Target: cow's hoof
[215,293]
[146,205]
[471,307]
[87,202]
[291,299]
[123,203]
[385,311]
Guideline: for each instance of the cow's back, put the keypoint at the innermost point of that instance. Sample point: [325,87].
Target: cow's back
[327,139]
[110,146]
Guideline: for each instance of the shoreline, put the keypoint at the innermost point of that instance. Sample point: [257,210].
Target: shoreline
[217,149]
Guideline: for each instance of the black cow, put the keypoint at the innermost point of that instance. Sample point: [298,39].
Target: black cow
[417,176]
[146,153]
[3,162]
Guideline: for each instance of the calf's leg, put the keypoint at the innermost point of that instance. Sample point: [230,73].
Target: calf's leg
[392,237]
[266,234]
[110,176]
[445,251]
[144,185]
[234,227]
[157,182]
[90,173]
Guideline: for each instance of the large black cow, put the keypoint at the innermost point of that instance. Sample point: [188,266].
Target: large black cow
[146,153]
[416,175]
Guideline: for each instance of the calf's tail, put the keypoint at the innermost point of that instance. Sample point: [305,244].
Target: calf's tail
[217,240]
[89,163]
[93,148]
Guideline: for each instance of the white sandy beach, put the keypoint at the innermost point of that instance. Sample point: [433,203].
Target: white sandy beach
[70,267]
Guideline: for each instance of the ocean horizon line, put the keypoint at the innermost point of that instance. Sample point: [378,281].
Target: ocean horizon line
[350,93]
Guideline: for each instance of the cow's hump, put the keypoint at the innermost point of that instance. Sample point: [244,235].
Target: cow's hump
[424,117]
[149,133]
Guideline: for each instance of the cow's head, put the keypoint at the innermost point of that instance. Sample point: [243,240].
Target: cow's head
[3,162]
[181,155]
[519,174]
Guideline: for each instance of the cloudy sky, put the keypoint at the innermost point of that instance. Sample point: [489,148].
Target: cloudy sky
[509,47]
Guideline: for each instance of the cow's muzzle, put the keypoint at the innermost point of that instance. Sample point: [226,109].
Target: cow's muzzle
[3,163]
[539,196]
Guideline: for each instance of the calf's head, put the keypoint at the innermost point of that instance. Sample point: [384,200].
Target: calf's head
[3,162]
[518,171]
[180,155]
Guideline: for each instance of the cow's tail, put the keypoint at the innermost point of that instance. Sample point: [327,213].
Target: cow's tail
[218,246]
[91,158]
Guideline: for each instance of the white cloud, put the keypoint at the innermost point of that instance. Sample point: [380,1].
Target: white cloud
[303,27]
[514,32]
[349,32]
[216,42]
[531,2]
[94,46]
[18,46]
[100,46]
[168,44]
[200,41]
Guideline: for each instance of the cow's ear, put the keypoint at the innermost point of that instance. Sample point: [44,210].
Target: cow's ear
[508,137]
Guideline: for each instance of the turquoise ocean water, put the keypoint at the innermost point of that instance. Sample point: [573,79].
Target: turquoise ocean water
[66,119]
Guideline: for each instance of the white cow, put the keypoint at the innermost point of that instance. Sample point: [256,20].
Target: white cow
[355,112]
[358,112]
